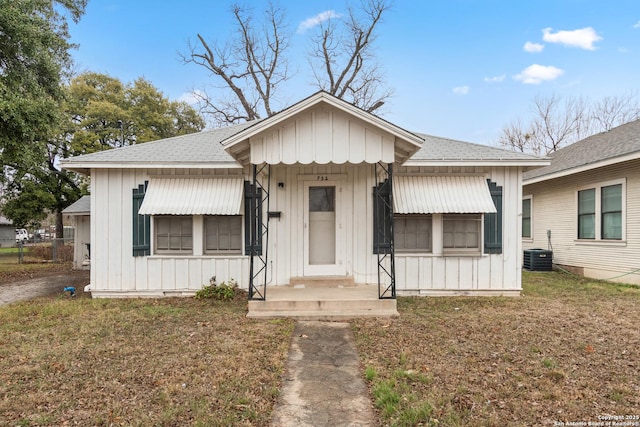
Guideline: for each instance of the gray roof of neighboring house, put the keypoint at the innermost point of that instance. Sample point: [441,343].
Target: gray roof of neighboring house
[437,148]
[5,221]
[79,207]
[617,142]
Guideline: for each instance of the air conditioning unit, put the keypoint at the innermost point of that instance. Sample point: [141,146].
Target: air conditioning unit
[538,260]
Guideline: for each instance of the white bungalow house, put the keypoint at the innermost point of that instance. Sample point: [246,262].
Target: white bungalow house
[585,206]
[321,190]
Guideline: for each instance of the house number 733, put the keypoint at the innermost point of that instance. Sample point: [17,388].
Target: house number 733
[322,178]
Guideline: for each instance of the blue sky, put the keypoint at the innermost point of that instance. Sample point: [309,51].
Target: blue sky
[460,69]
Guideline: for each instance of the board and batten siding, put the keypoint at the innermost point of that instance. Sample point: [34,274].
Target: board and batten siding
[354,220]
[554,208]
[116,272]
[322,136]
[488,274]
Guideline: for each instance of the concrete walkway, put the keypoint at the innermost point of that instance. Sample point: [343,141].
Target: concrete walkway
[323,384]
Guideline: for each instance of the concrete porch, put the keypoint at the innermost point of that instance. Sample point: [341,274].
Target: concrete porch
[325,299]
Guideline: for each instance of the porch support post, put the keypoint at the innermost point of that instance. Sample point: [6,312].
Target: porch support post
[258,229]
[383,231]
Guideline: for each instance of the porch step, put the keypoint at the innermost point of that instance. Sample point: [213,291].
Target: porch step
[333,304]
[322,281]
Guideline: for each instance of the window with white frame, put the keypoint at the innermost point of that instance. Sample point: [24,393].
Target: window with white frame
[173,234]
[461,233]
[223,234]
[526,218]
[601,212]
[412,233]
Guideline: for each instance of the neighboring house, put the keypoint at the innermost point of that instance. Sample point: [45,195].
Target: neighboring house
[80,211]
[7,233]
[585,206]
[305,194]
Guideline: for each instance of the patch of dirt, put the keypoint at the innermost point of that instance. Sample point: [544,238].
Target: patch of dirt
[23,285]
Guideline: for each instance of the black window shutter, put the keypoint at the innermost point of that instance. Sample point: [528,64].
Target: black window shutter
[252,219]
[141,224]
[382,218]
[493,222]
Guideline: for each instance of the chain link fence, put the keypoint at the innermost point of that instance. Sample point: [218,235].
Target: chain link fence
[54,250]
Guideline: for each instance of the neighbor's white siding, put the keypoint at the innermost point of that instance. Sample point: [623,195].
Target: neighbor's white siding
[116,272]
[554,208]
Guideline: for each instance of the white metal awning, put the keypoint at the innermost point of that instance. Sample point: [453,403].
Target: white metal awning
[193,196]
[441,194]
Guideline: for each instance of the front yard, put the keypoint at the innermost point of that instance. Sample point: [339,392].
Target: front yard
[568,350]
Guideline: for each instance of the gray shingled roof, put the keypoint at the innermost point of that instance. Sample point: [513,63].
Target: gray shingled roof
[617,142]
[5,221]
[199,147]
[81,206]
[437,148]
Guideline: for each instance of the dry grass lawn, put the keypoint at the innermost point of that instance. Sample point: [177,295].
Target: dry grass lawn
[168,362]
[568,350]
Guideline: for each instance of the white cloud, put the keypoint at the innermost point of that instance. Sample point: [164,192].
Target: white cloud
[583,38]
[533,47]
[317,20]
[536,74]
[495,79]
[636,25]
[461,90]
[191,98]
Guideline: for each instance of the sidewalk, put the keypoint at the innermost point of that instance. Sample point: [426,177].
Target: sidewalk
[323,384]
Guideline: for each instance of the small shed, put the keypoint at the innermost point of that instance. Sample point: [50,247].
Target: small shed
[80,212]
[7,233]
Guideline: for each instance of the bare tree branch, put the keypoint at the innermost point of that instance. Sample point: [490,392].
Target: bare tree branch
[350,70]
[249,66]
[556,124]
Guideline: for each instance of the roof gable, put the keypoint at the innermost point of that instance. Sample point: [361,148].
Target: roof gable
[322,129]
[616,145]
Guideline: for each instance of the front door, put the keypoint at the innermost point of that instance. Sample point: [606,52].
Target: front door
[321,226]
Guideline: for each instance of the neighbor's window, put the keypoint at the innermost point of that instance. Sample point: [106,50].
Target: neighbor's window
[587,214]
[461,232]
[223,234]
[412,233]
[601,212]
[526,218]
[174,234]
[611,222]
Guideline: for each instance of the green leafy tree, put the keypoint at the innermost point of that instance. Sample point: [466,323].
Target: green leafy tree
[102,113]
[34,57]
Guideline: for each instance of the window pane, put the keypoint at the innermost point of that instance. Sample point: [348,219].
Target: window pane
[587,201]
[321,199]
[526,208]
[587,226]
[173,234]
[461,232]
[612,198]
[612,225]
[223,234]
[526,218]
[526,227]
[412,233]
